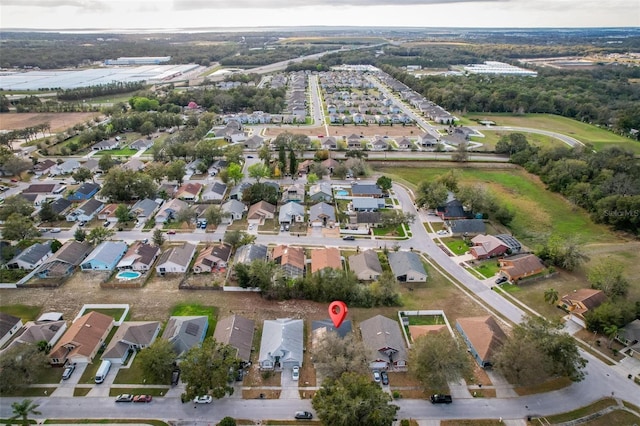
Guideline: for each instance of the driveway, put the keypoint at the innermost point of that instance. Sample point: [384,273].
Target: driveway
[289,386]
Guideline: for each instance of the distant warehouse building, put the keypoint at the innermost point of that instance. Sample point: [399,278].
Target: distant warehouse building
[493,67]
[138,60]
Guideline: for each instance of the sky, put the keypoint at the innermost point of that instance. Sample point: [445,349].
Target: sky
[184,14]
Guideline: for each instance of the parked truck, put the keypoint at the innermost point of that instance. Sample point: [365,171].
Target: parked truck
[103,370]
[439,398]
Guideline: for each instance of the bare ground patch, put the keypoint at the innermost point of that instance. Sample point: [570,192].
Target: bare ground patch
[58,121]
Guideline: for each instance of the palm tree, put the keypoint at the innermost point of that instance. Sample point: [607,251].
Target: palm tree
[611,331]
[23,409]
[551,296]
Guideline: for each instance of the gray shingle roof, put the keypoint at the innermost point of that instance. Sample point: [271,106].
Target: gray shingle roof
[34,253]
[250,252]
[322,210]
[180,255]
[184,332]
[284,338]
[236,331]
[382,333]
[402,262]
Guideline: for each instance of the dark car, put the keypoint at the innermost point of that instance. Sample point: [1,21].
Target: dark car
[303,415]
[502,279]
[142,398]
[125,397]
[349,238]
[175,377]
[68,371]
[385,377]
[441,399]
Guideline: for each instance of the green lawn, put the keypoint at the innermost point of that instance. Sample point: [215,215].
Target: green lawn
[397,231]
[586,133]
[488,269]
[24,312]
[493,136]
[105,421]
[122,152]
[425,319]
[458,247]
[539,212]
[582,412]
[195,309]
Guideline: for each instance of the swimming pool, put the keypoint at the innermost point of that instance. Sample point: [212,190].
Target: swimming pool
[128,275]
[342,193]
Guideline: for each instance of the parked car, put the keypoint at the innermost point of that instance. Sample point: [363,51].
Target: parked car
[124,397]
[349,238]
[502,279]
[295,373]
[441,399]
[55,230]
[204,399]
[142,398]
[303,415]
[171,232]
[376,376]
[68,371]
[385,378]
[175,377]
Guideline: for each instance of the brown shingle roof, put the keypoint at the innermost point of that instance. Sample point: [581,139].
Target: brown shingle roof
[325,258]
[83,336]
[484,334]
[521,265]
[293,256]
[258,208]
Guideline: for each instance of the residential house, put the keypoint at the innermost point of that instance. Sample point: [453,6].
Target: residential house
[629,335]
[91,164]
[189,191]
[60,206]
[134,164]
[105,257]
[254,143]
[108,213]
[293,192]
[214,192]
[237,332]
[320,192]
[282,344]
[65,168]
[405,143]
[34,332]
[322,214]
[483,337]
[84,191]
[366,190]
[365,220]
[249,252]
[521,266]
[261,211]
[383,340]
[305,166]
[212,258]
[86,212]
[82,340]
[167,190]
[428,140]
[367,204]
[466,227]
[32,257]
[143,210]
[407,266]
[131,336]
[234,210]
[329,143]
[43,167]
[9,326]
[579,302]
[237,191]
[44,188]
[290,259]
[486,246]
[323,258]
[185,332]
[379,144]
[291,212]
[139,257]
[330,164]
[62,263]
[320,328]
[106,145]
[176,260]
[513,245]
[169,210]
[453,209]
[366,265]
[142,144]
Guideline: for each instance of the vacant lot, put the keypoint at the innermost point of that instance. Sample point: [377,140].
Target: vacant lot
[59,121]
[338,132]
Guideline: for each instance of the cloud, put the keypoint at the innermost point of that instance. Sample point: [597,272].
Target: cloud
[281,4]
[83,5]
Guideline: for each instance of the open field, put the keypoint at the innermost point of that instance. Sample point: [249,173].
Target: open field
[338,132]
[59,121]
[587,133]
[493,136]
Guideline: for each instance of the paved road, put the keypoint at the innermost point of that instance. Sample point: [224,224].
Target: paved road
[572,142]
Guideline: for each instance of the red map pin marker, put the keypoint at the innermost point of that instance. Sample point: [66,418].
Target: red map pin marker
[338,312]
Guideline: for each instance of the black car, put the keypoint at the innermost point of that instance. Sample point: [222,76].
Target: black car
[349,238]
[175,377]
[385,377]
[303,415]
[502,279]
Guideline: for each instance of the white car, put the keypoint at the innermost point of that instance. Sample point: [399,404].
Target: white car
[295,374]
[204,399]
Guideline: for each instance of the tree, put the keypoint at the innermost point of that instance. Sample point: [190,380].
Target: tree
[15,165]
[385,290]
[186,215]
[176,171]
[611,332]
[340,171]
[82,174]
[157,171]
[384,183]
[438,359]
[158,237]
[234,153]
[539,342]
[80,235]
[157,361]
[334,355]
[215,214]
[122,213]
[461,154]
[393,218]
[238,238]
[353,399]
[16,204]
[99,235]
[234,173]
[312,178]
[20,366]
[562,252]
[431,194]
[106,162]
[610,313]
[551,296]
[293,162]
[124,185]
[46,212]
[227,421]
[264,153]
[282,158]
[258,171]
[17,227]
[450,180]
[208,369]
[23,410]
[607,275]
[147,128]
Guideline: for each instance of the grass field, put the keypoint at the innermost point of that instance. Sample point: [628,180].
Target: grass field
[493,136]
[195,309]
[539,212]
[582,412]
[586,133]
[25,313]
[123,152]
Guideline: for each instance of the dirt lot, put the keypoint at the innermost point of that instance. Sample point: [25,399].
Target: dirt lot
[339,131]
[58,121]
